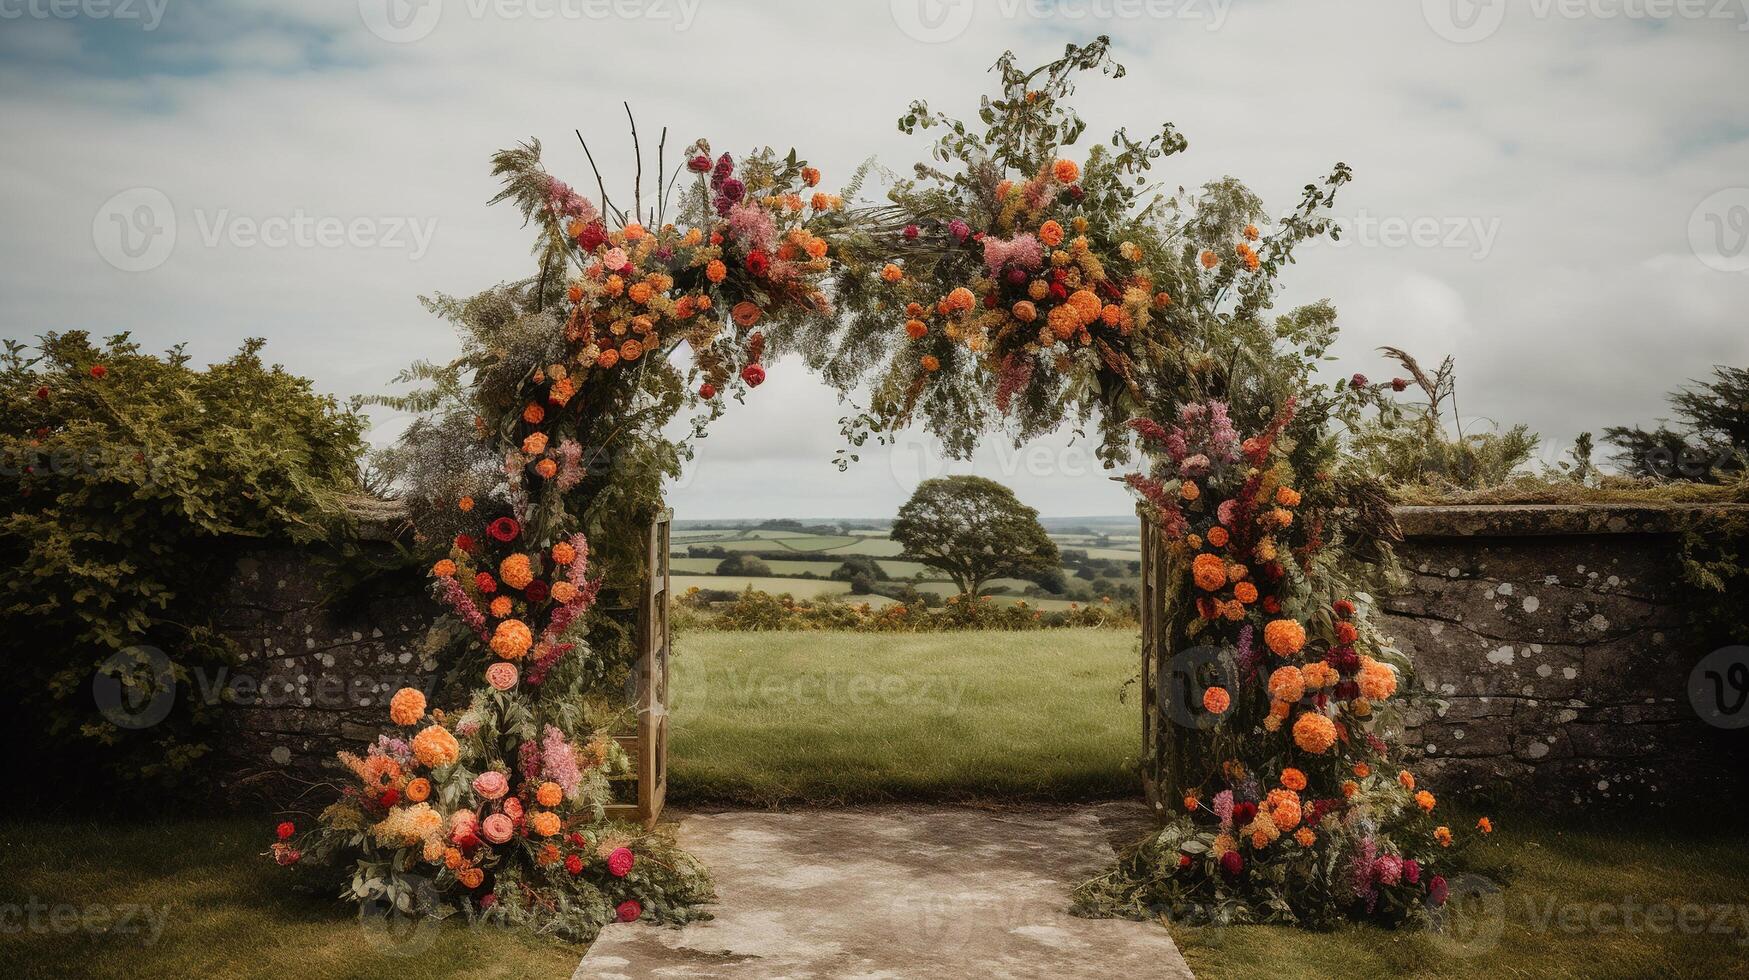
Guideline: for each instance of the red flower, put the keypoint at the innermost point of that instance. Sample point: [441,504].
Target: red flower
[574,864]
[504,529]
[488,900]
[286,830]
[1244,813]
[1437,890]
[707,391]
[536,591]
[1271,605]
[758,264]
[98,370]
[620,862]
[1344,608]
[699,164]
[1232,864]
[592,236]
[1346,634]
[629,910]
[43,393]
[465,542]
[1399,384]
[1184,861]
[485,583]
[754,375]
[912,231]
[467,842]
[1412,871]
[576,839]
[390,797]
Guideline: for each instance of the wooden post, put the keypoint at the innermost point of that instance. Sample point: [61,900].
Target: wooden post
[648,745]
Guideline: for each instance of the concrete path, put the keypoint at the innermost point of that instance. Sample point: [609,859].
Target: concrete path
[897,892]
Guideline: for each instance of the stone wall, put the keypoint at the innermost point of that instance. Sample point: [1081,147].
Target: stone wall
[1553,645]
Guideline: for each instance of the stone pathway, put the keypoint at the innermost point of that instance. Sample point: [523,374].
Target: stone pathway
[897,892]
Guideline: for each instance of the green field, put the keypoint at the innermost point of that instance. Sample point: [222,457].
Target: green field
[765,718]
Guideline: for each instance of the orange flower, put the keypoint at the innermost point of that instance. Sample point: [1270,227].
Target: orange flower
[1285,637]
[1216,700]
[471,878]
[563,592]
[444,568]
[1025,312]
[501,606]
[1287,496]
[892,273]
[1314,733]
[563,553]
[1218,536]
[1293,779]
[535,444]
[810,176]
[1349,788]
[1065,171]
[634,231]
[515,571]
[1189,490]
[1362,770]
[716,271]
[1443,835]
[407,706]
[1406,779]
[961,299]
[1051,233]
[512,639]
[607,358]
[1425,801]
[1286,684]
[1064,321]
[544,822]
[1251,232]
[1245,592]
[915,329]
[1086,304]
[549,794]
[465,504]
[418,790]
[1305,837]
[1485,825]
[1191,803]
[930,363]
[631,350]
[563,391]
[1210,572]
[435,748]
[1346,633]
[546,468]
[1210,260]
[1377,681]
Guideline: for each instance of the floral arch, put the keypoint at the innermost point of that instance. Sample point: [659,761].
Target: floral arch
[1008,283]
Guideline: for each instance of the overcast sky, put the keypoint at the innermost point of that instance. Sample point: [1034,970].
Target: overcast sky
[1556,192]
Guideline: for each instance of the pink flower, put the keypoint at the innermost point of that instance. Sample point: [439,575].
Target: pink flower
[1412,871]
[463,824]
[629,910]
[501,675]
[1388,869]
[513,808]
[497,828]
[614,259]
[620,862]
[1223,807]
[491,785]
[1437,890]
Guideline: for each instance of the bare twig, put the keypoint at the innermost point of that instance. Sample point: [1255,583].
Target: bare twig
[600,185]
[638,153]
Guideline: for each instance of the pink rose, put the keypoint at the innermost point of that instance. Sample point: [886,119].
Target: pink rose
[620,862]
[629,910]
[497,828]
[501,675]
[513,808]
[491,785]
[463,824]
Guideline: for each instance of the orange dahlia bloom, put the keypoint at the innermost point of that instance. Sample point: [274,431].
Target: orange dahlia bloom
[544,822]
[1245,592]
[1189,490]
[418,790]
[512,639]
[1287,496]
[533,413]
[892,273]
[546,468]
[1210,260]
[1425,801]
[471,878]
[515,571]
[1485,825]
[916,329]
[1305,837]
[1285,637]
[1314,733]
[1362,770]
[549,794]
[1025,312]
[1293,779]
[1210,572]
[1286,684]
[631,350]
[1377,681]
[1218,536]
[535,444]
[1443,835]
[1087,305]
[961,299]
[930,363]
[1051,233]
[407,707]
[444,568]
[1064,321]
[1406,779]
[716,271]
[465,504]
[501,606]
[1216,700]
[563,553]
[607,358]
[563,592]
[435,747]
[1066,171]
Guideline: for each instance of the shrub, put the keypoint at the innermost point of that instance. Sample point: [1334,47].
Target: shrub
[131,482]
[761,611]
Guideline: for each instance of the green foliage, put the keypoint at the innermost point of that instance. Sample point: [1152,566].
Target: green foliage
[1409,445]
[754,611]
[975,530]
[740,563]
[131,482]
[1706,442]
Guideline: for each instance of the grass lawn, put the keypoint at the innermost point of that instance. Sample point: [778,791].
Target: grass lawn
[1601,901]
[765,718]
[214,906]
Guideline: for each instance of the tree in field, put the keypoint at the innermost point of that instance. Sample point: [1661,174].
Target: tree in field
[1708,439]
[974,530]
